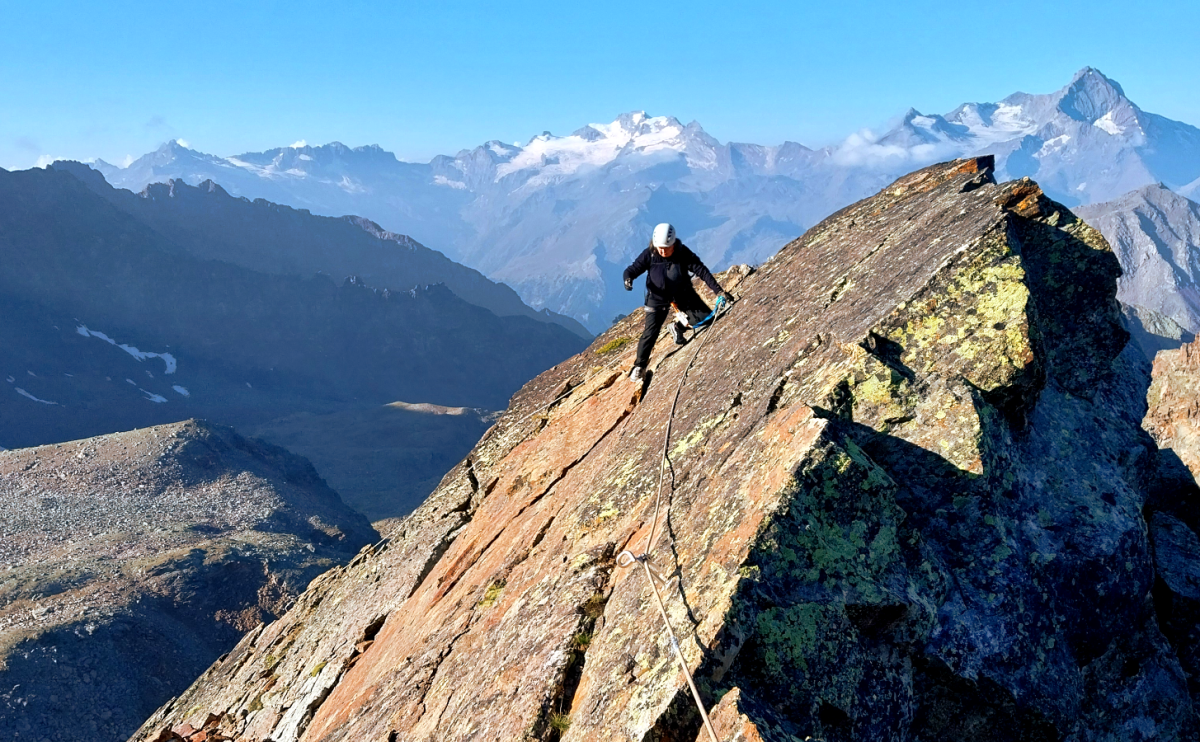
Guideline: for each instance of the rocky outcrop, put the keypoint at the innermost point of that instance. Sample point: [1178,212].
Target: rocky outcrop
[133,560]
[1173,512]
[1174,404]
[905,489]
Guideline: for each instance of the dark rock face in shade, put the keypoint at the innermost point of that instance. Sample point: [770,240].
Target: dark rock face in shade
[910,501]
[132,561]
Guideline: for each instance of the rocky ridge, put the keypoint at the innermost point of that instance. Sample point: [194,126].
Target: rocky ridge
[908,481]
[133,560]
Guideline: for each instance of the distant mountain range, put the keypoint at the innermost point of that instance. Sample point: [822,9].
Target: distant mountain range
[118,311]
[559,217]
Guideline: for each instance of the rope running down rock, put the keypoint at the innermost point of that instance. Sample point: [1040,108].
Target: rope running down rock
[627,558]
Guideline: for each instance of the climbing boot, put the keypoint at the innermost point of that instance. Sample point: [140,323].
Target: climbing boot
[677,332]
[635,375]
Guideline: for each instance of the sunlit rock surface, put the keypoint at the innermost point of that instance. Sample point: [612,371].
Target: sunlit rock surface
[909,479]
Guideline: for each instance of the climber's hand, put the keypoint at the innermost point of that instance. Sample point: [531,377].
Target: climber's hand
[629,284]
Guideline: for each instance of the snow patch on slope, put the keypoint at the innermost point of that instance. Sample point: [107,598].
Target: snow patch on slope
[167,358]
[24,393]
[1108,124]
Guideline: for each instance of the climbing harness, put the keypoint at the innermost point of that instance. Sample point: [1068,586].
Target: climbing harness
[627,558]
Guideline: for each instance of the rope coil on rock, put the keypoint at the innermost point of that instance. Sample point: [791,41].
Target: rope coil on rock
[627,558]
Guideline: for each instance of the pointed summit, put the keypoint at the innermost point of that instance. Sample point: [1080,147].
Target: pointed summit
[175,145]
[1091,95]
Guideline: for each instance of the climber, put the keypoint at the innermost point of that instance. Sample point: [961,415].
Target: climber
[667,262]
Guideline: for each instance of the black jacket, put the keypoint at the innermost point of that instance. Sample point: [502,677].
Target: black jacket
[667,279]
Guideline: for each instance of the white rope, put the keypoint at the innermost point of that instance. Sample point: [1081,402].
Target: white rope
[627,558]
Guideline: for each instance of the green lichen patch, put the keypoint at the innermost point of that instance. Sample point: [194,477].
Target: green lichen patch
[614,345]
[841,528]
[492,594]
[814,646]
[696,435]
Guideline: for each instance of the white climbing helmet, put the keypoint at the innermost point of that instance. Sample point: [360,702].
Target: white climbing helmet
[664,235]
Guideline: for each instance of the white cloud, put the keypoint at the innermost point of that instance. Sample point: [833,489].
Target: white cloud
[46,160]
[298,144]
[129,160]
[442,180]
[183,143]
[862,149]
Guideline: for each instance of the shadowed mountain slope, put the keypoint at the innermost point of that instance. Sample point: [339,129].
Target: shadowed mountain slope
[384,461]
[107,324]
[907,485]
[269,238]
[1156,236]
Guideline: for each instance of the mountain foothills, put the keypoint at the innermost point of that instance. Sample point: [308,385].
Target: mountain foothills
[908,497]
[558,217]
[133,560]
[121,311]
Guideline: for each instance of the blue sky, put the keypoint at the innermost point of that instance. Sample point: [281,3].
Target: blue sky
[84,80]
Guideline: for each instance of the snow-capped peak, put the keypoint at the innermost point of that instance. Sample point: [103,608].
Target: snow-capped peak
[596,145]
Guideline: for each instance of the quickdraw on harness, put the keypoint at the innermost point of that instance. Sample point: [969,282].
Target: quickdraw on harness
[681,317]
[627,558]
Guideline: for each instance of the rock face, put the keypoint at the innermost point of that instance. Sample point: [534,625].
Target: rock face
[1174,404]
[1156,236]
[1173,513]
[133,560]
[905,490]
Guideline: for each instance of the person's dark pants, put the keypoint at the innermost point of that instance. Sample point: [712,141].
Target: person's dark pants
[695,309]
